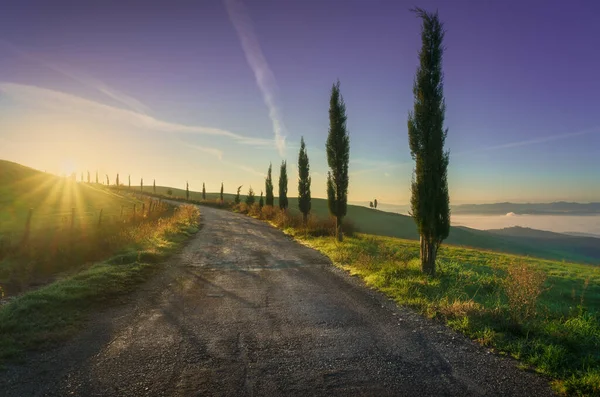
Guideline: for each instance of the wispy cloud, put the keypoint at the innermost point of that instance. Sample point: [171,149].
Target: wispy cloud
[63,102]
[80,77]
[528,142]
[208,150]
[259,65]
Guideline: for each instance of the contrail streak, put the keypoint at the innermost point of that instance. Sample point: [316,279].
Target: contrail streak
[256,59]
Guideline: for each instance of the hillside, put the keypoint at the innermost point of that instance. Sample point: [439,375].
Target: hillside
[381,223]
[52,199]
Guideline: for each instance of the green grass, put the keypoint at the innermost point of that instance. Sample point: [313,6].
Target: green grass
[53,313]
[561,341]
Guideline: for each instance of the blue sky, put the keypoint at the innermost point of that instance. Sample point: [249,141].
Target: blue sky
[213,91]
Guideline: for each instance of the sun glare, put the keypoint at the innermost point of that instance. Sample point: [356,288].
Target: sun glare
[68,167]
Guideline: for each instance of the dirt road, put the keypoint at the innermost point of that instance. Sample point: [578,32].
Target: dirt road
[245,311]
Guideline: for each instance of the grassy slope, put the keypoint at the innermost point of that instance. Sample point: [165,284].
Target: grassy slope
[52,199]
[390,224]
[53,313]
[469,295]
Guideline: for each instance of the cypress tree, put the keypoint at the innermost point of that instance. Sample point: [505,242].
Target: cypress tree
[269,199]
[187,190]
[338,156]
[283,182]
[117,182]
[375,203]
[203,192]
[237,196]
[96,177]
[141,184]
[153,186]
[261,202]
[304,198]
[430,202]
[88,177]
[250,197]
[107,180]
[221,192]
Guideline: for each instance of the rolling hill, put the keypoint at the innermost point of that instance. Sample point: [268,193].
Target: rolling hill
[382,223]
[52,199]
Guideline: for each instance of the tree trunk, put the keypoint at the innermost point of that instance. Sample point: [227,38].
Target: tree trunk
[338,229]
[305,219]
[428,254]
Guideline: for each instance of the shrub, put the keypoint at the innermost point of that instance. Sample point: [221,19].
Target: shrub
[523,286]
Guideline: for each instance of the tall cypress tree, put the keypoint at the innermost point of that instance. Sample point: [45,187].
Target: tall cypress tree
[430,202]
[141,184]
[237,196]
[283,182]
[203,192]
[107,180]
[304,198]
[261,202]
[269,199]
[153,186]
[338,156]
[117,182]
[221,192]
[96,177]
[187,190]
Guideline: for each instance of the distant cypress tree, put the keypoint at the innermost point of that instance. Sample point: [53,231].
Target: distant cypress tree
[96,177]
[203,191]
[250,199]
[375,203]
[107,180]
[269,188]
[221,192]
[283,186]
[88,177]
[261,202]
[430,202]
[153,186]
[371,204]
[117,182]
[304,198]
[237,196]
[187,190]
[141,184]
[338,157]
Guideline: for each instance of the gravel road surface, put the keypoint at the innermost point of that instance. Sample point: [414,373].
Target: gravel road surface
[243,310]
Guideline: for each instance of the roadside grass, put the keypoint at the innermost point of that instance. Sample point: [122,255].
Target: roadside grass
[53,313]
[544,313]
[472,294]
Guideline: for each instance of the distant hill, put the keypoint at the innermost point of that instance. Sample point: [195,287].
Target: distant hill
[557,208]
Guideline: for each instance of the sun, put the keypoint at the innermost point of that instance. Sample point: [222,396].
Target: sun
[68,167]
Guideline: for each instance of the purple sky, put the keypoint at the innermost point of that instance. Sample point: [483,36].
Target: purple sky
[521,91]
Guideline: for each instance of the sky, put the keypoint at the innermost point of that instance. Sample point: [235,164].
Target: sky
[213,91]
